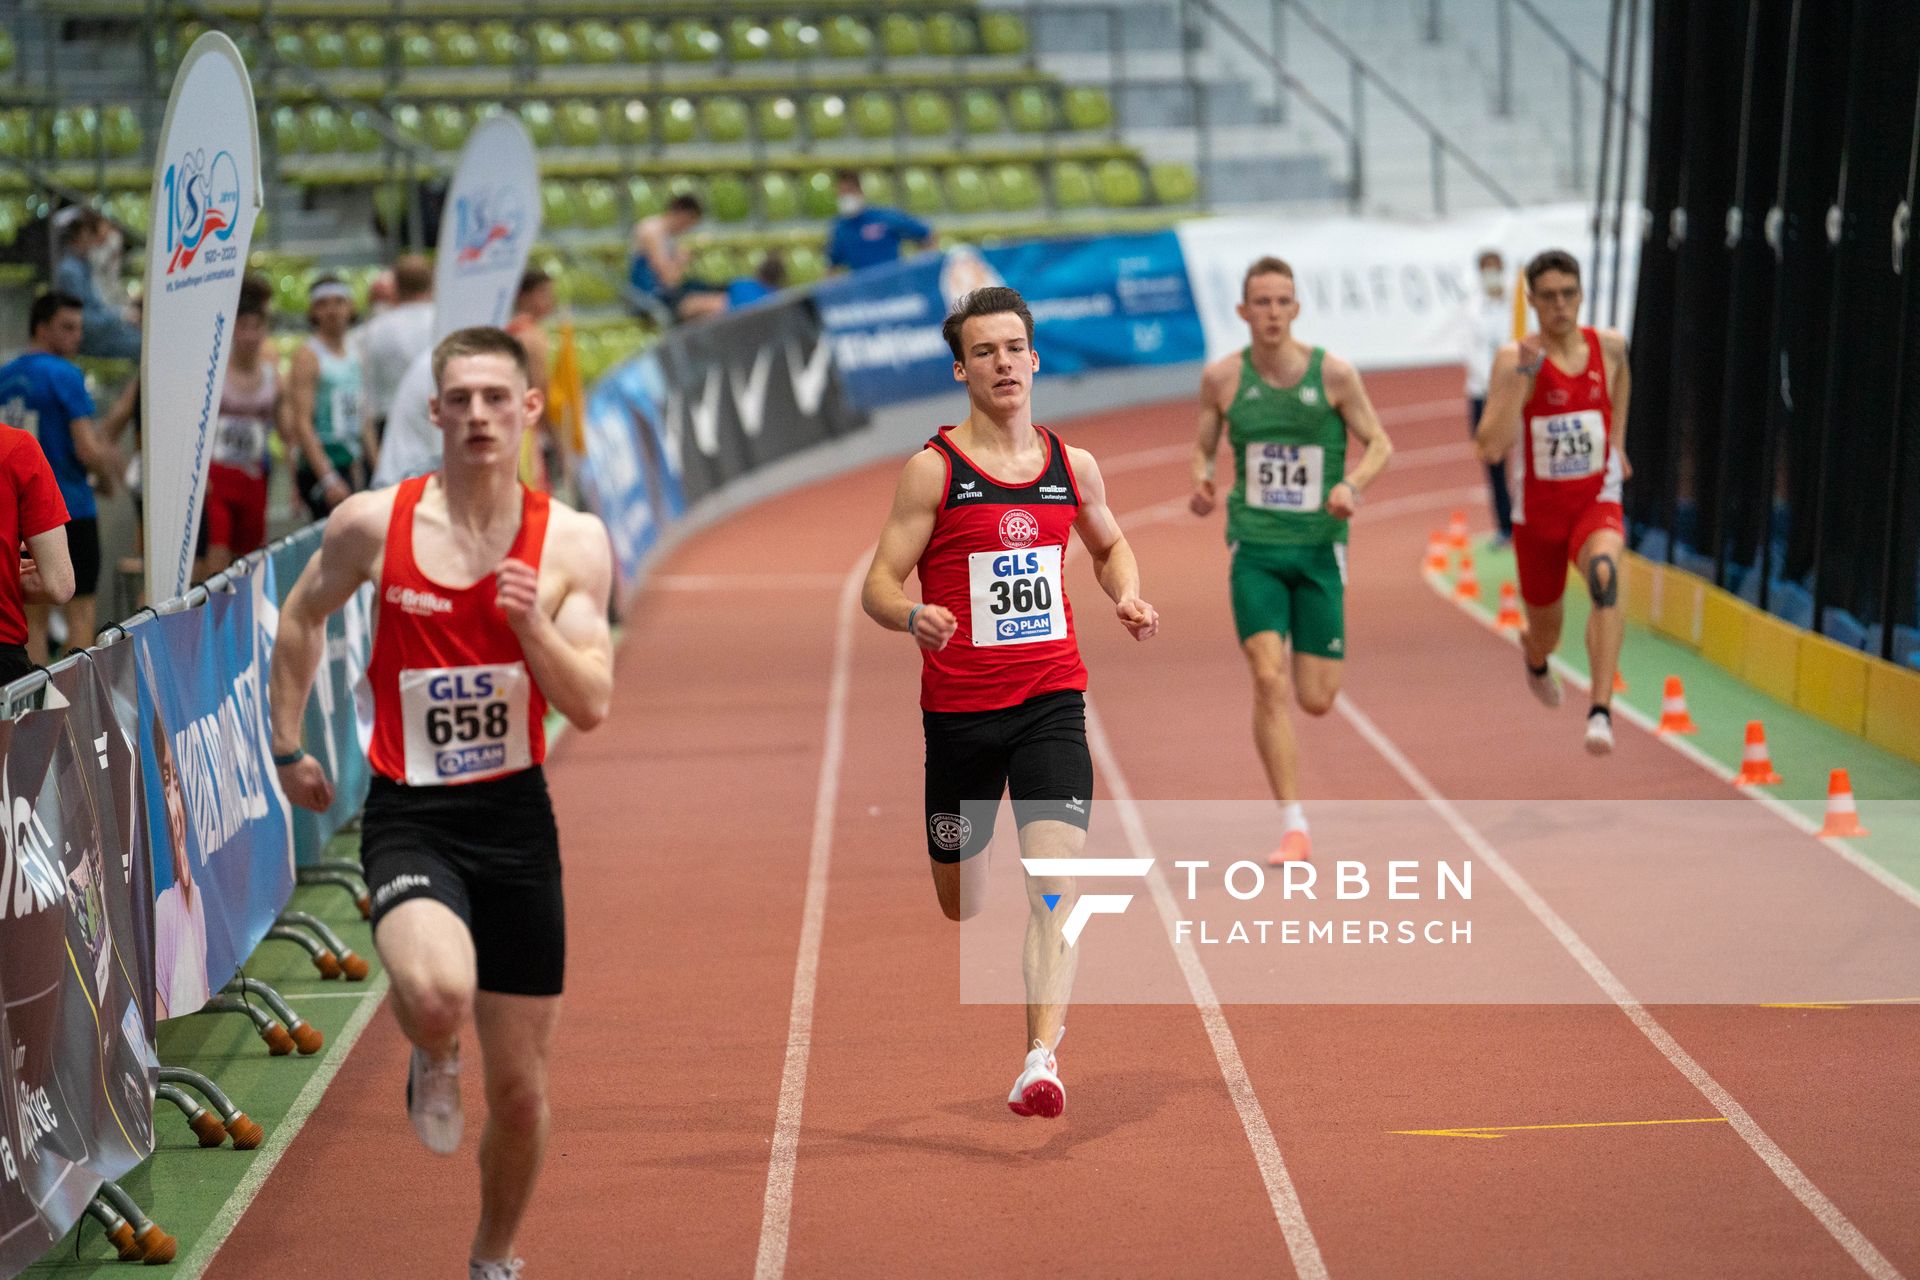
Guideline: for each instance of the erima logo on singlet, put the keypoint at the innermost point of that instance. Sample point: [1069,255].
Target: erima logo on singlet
[968,489]
[424,603]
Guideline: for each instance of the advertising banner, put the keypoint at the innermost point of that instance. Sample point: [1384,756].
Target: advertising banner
[1098,303]
[206,195]
[220,832]
[76,1024]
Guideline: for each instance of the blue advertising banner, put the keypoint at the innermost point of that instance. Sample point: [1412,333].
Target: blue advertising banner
[613,481]
[1098,303]
[221,836]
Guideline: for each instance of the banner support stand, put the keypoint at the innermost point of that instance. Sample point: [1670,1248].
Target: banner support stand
[243,1129]
[342,874]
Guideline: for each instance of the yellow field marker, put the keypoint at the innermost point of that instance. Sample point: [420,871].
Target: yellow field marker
[1502,1130]
[1839,1004]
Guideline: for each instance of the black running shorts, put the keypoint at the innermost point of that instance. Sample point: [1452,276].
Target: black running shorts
[487,851]
[1036,752]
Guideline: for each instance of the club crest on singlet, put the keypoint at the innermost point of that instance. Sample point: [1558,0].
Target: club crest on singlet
[1018,529]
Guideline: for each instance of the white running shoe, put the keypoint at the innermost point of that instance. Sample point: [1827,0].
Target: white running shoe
[494,1270]
[1599,734]
[433,1104]
[1544,685]
[1038,1091]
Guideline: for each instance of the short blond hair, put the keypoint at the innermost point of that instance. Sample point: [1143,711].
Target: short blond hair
[481,340]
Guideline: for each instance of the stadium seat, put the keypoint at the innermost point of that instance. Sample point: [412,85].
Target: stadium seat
[416,46]
[120,128]
[845,36]
[873,115]
[981,112]
[359,133]
[967,190]
[715,262]
[322,129]
[1173,183]
[950,36]
[130,209]
[580,124]
[826,115]
[633,123]
[1015,188]
[542,125]
[446,127]
[691,41]
[728,199]
[15,134]
[455,45]
[290,47]
[1030,110]
[646,197]
[599,205]
[779,119]
[748,40]
[552,45]
[724,119]
[287,133]
[597,42]
[805,264]
[640,39]
[928,114]
[499,45]
[779,199]
[795,39]
[878,186]
[682,184]
[1003,34]
[556,205]
[902,36]
[678,121]
[1072,185]
[1120,184]
[819,198]
[1086,109]
[920,191]
[326,48]
[6,50]
[74,131]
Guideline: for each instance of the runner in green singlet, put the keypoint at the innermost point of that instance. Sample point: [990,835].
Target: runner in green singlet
[1287,409]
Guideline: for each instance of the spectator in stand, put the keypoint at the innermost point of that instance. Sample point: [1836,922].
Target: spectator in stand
[32,513]
[867,235]
[44,392]
[768,279]
[396,337]
[332,442]
[661,263]
[106,331]
[1488,326]
[235,514]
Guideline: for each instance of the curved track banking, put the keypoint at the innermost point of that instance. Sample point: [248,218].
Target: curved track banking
[690,823]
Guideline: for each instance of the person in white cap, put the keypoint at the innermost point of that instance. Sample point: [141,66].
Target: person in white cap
[336,446]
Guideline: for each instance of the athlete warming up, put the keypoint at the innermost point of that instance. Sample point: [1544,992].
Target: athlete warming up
[491,606]
[983,513]
[1564,390]
[1287,409]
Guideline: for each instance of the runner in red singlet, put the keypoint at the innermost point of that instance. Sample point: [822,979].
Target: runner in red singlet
[983,513]
[236,507]
[1564,391]
[491,604]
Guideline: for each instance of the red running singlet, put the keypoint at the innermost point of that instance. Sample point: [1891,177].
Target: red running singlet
[995,560]
[1566,438]
[453,700]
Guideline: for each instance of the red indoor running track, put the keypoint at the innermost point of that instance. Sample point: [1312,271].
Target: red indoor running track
[765,742]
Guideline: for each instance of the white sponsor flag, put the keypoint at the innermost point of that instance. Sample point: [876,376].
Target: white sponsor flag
[206,195]
[487,229]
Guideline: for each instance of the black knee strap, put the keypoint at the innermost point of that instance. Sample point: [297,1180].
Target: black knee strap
[1603,581]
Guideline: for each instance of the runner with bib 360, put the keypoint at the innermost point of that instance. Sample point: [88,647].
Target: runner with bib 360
[1287,410]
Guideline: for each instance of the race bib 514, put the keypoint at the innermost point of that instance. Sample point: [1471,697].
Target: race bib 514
[1285,477]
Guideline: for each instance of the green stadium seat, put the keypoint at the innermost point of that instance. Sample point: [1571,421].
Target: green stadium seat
[679,121]
[902,36]
[640,39]
[120,128]
[1120,184]
[920,191]
[967,190]
[499,45]
[6,50]
[599,205]
[287,133]
[747,40]
[326,48]
[366,46]
[74,130]
[845,36]
[486,111]
[950,36]
[15,135]
[1015,187]
[552,45]
[1173,183]
[1072,185]
[1030,110]
[981,112]
[682,184]
[724,119]
[1003,34]
[580,124]
[542,125]
[410,121]
[779,119]
[556,205]
[416,46]
[715,262]
[779,199]
[646,196]
[1086,109]
[633,123]
[819,198]
[805,263]
[290,46]
[290,292]
[827,115]
[873,115]
[446,127]
[929,114]
[878,186]
[728,198]
[455,45]
[322,129]
[359,133]
[691,41]
[130,209]
[598,42]
[795,39]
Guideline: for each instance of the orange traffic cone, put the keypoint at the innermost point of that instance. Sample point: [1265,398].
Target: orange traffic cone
[1437,553]
[1674,717]
[1457,530]
[1466,587]
[1843,819]
[1509,617]
[1756,766]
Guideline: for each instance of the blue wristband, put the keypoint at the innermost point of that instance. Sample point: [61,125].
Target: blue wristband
[292,757]
[911,615]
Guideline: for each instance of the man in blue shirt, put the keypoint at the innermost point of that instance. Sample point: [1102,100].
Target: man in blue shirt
[106,333]
[769,278]
[44,392]
[867,236]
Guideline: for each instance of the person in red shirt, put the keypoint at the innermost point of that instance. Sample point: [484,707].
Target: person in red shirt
[491,605]
[1563,390]
[33,519]
[983,513]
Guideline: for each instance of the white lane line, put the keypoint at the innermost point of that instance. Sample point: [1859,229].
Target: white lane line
[1425,411]
[284,1133]
[1828,1214]
[744,581]
[1287,1210]
[776,1214]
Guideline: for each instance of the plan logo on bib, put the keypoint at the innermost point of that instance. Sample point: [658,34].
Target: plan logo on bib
[1018,529]
[203,201]
[487,224]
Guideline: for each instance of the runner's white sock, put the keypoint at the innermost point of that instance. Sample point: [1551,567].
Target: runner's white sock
[1293,817]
